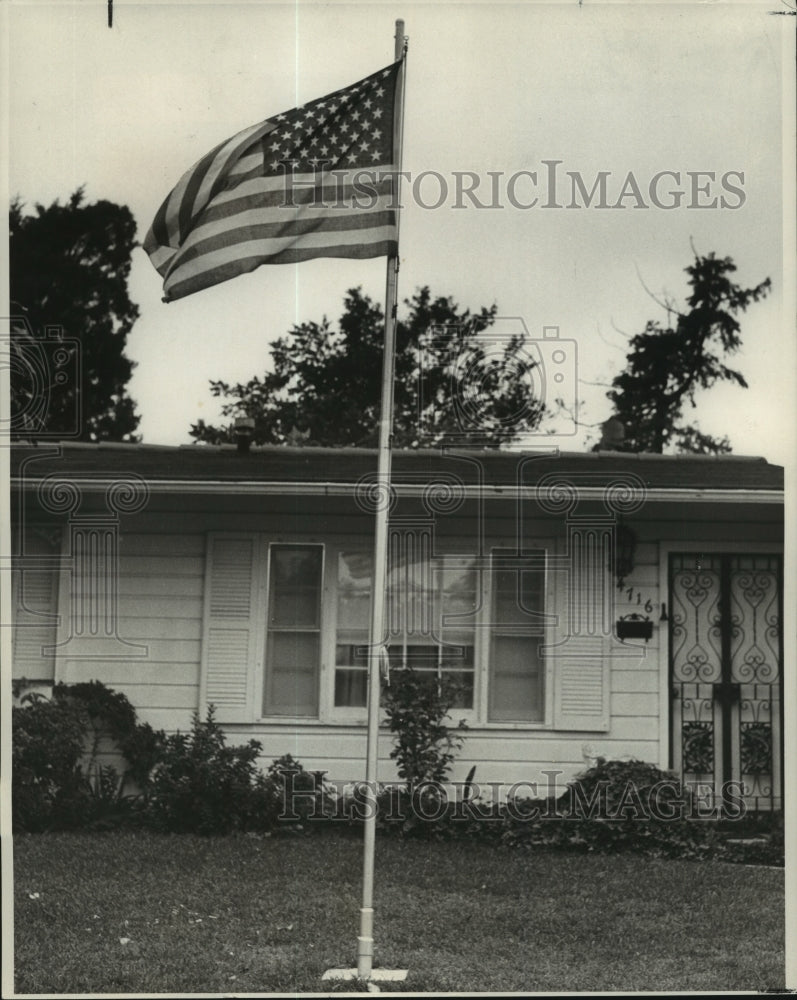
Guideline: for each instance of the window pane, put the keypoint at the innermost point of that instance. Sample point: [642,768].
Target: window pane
[458,587]
[418,656]
[353,622]
[419,592]
[353,610]
[516,688]
[456,658]
[351,688]
[295,609]
[518,596]
[411,606]
[295,586]
[291,682]
[354,592]
[463,687]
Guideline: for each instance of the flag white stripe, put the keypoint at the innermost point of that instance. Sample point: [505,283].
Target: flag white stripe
[214,169]
[203,195]
[160,257]
[303,182]
[284,215]
[271,247]
[247,162]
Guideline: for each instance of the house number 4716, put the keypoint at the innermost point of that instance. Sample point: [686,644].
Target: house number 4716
[635,597]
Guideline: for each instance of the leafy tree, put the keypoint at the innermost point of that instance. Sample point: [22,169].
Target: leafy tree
[666,365]
[325,384]
[69,266]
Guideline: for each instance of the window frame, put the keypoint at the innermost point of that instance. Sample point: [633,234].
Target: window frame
[496,630]
[552,592]
[330,714]
[357,715]
[262,627]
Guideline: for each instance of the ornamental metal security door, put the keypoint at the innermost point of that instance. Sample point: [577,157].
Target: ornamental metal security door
[726,677]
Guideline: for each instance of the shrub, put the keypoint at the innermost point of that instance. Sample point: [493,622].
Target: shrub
[302,795]
[109,714]
[616,805]
[48,786]
[625,790]
[58,781]
[186,782]
[200,785]
[416,705]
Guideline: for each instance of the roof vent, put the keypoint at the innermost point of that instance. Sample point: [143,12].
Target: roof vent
[244,432]
[612,435]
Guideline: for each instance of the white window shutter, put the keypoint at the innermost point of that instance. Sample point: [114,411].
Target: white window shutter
[581,660]
[229,643]
[581,691]
[35,601]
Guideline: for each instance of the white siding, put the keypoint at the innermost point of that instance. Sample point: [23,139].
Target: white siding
[161,593]
[160,606]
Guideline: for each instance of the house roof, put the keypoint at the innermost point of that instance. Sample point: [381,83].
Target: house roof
[224,467]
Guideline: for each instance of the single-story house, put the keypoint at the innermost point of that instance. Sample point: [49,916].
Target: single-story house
[596,604]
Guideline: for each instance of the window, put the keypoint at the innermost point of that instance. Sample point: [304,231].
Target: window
[353,623]
[516,685]
[430,616]
[431,620]
[286,631]
[293,630]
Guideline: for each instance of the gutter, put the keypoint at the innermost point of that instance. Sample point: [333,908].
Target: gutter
[332,489]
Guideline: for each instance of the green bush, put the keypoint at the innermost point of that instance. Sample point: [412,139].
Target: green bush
[625,790]
[628,806]
[201,785]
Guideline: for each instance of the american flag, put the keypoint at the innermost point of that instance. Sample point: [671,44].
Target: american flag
[317,181]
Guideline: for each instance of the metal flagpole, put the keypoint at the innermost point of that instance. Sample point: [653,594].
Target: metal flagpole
[377,649]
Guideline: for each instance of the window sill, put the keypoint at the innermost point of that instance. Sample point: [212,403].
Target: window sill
[362,722]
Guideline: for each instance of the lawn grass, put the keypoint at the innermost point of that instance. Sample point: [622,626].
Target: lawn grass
[140,913]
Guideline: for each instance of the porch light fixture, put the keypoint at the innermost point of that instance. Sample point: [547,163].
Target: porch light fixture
[624,549]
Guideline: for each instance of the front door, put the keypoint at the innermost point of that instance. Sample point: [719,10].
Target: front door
[726,676]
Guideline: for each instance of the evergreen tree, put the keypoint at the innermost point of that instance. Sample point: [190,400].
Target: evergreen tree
[667,365]
[69,267]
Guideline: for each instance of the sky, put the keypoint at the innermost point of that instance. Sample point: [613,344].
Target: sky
[641,89]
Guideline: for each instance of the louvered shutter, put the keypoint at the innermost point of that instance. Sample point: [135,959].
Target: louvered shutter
[581,663]
[229,636]
[581,692]
[35,599]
